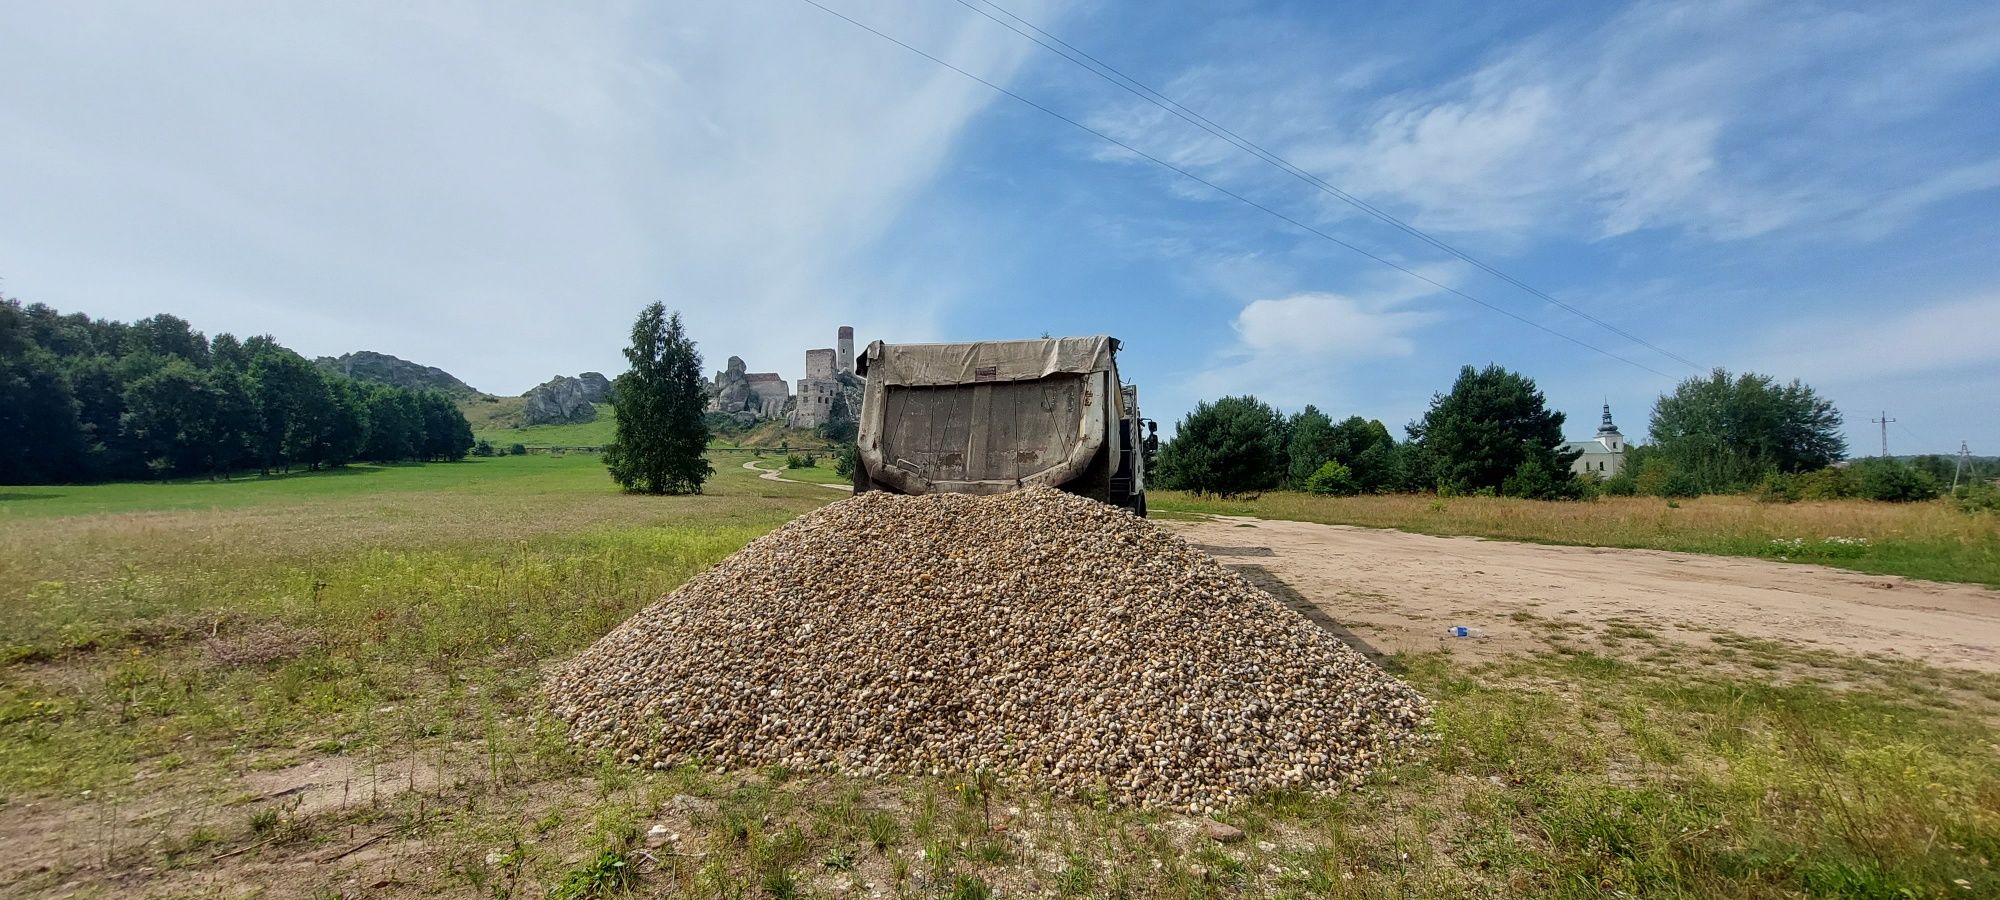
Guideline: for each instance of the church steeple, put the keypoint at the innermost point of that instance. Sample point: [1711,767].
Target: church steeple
[1606,428]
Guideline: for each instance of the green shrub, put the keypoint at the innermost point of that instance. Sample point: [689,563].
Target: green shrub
[1332,478]
[518,449]
[1776,487]
[482,448]
[801,461]
[1534,480]
[1893,481]
[1621,485]
[1823,484]
[845,463]
[1979,496]
[1661,478]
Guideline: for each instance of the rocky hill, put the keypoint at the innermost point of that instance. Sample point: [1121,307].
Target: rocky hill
[381,368]
[563,400]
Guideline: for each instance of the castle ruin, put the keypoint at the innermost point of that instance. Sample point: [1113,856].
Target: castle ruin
[830,391]
[748,397]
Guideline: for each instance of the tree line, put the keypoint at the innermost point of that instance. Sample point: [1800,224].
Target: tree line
[85,399]
[1492,433]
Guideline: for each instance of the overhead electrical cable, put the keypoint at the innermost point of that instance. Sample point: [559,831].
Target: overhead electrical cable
[1139,89]
[1232,194]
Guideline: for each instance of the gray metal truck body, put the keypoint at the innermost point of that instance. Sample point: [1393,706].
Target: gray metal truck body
[996,416]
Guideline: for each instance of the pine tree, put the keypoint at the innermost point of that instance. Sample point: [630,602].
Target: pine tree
[1235,445]
[661,434]
[1493,420]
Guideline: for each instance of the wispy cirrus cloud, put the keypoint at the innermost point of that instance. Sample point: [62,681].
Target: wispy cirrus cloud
[494,189]
[1725,120]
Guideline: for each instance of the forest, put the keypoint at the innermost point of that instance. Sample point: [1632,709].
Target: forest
[84,399]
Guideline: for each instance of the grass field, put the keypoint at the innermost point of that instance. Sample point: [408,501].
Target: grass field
[178,659]
[495,421]
[1920,540]
[594,433]
[820,472]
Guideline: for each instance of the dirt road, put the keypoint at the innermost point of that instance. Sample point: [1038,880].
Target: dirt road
[775,475]
[1390,591]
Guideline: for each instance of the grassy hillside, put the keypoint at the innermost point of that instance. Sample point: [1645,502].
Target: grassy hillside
[498,421]
[488,413]
[773,434]
[594,433]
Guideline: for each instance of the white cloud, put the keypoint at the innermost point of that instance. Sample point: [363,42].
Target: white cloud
[1315,327]
[1728,120]
[492,189]
[1937,338]
[1303,347]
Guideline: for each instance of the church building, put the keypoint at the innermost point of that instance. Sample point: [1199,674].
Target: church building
[1604,455]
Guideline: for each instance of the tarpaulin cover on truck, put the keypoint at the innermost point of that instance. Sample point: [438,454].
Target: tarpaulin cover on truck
[932,365]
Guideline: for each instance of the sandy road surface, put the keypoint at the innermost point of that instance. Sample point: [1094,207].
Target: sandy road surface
[1389,591]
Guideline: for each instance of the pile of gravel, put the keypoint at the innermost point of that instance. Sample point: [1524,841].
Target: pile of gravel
[1036,634]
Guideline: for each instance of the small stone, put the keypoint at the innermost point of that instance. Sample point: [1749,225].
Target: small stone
[658,836]
[1222,832]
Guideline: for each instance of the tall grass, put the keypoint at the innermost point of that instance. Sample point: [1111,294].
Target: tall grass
[1920,540]
[384,597]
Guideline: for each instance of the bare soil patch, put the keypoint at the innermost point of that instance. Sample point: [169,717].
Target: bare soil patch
[1392,591]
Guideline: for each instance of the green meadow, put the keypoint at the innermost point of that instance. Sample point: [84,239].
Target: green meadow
[325,685]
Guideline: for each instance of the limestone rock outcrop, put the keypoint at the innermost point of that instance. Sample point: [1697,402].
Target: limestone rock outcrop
[747,396]
[561,400]
[596,387]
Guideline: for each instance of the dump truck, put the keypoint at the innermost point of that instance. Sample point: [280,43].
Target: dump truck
[990,417]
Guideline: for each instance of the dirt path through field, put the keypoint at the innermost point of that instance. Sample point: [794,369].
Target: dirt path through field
[1390,591]
[775,475]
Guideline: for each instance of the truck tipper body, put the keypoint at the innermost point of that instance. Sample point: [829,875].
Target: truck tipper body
[994,416]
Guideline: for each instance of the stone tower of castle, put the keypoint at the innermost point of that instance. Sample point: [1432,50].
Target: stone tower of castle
[829,385]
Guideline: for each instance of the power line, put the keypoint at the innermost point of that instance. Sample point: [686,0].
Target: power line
[1139,89]
[1884,422]
[1231,194]
[1920,439]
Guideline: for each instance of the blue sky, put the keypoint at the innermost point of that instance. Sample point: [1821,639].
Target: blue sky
[1806,190]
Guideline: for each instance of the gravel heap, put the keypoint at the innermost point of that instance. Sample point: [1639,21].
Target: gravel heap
[1037,634]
